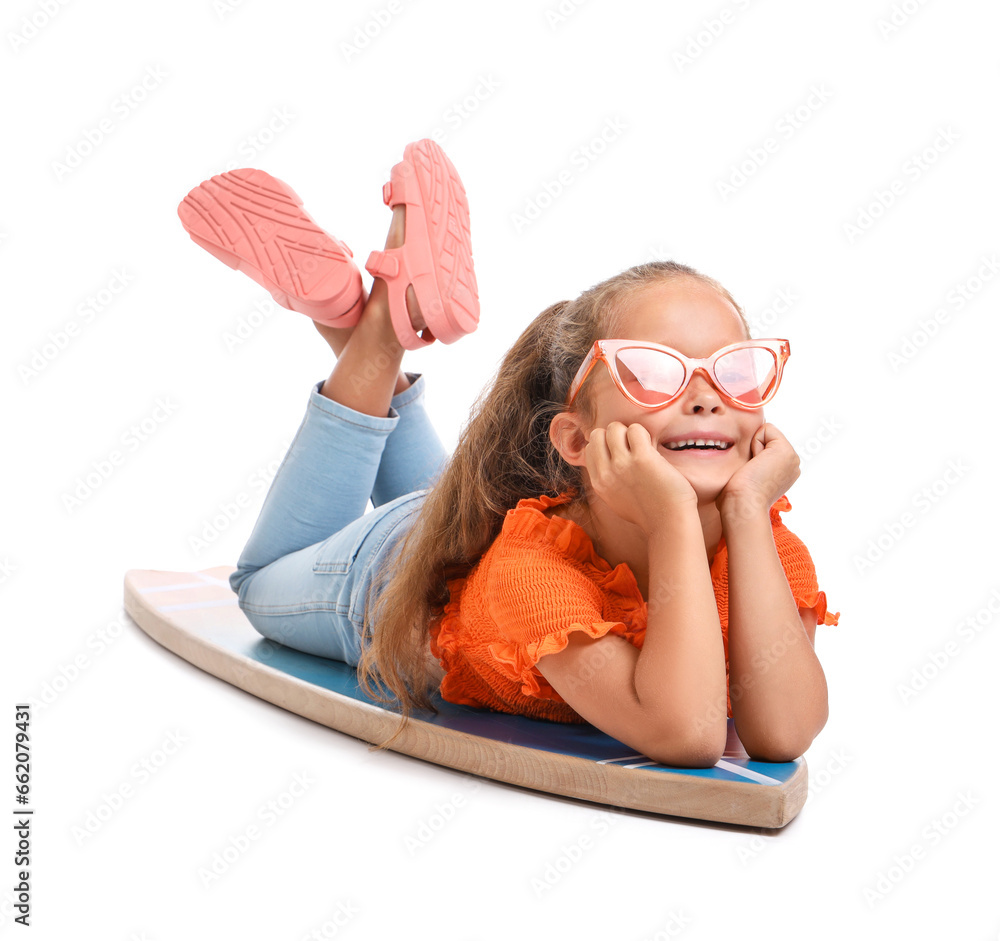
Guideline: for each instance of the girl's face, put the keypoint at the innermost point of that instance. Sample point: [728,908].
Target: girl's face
[692,318]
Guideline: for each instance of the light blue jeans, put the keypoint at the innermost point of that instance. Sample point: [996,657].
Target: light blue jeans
[303,577]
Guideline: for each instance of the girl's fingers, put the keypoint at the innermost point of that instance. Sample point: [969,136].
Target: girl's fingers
[769,433]
[626,437]
[615,433]
[637,435]
[614,436]
[620,442]
[596,437]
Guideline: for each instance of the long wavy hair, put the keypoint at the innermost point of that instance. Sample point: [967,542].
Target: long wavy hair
[503,455]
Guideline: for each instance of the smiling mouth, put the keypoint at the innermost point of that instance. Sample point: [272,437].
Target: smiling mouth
[698,444]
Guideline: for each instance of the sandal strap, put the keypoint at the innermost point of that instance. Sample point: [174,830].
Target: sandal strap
[383,264]
[388,265]
[402,186]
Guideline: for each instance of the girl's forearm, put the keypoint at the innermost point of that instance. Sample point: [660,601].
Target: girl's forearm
[680,673]
[776,684]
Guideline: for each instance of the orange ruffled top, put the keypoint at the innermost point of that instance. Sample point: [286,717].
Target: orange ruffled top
[542,579]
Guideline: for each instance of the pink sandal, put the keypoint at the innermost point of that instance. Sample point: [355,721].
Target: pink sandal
[436,257]
[256,224]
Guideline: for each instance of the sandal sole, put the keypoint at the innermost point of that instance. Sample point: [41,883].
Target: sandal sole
[254,223]
[452,305]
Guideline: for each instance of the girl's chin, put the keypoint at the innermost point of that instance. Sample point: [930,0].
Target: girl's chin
[706,481]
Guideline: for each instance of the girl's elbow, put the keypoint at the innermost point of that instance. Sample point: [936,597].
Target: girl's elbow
[695,751]
[776,754]
[787,747]
[687,757]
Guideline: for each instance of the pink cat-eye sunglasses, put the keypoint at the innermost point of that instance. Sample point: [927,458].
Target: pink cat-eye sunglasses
[650,375]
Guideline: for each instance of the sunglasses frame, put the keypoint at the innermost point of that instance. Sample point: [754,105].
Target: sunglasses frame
[606,350]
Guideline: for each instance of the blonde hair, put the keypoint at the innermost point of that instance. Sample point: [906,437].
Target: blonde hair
[503,455]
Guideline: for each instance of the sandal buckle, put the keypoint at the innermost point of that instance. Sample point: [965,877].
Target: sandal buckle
[382,265]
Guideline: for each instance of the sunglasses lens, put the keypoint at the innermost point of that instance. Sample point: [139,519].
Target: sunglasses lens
[651,377]
[749,375]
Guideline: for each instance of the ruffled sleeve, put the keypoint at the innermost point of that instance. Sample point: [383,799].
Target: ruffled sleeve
[562,586]
[799,568]
[540,581]
[517,661]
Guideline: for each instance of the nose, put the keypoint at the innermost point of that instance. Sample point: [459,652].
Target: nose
[701,394]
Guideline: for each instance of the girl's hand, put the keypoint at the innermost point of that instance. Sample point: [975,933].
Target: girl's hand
[772,469]
[631,476]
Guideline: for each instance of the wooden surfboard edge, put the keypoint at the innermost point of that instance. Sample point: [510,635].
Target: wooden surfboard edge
[732,802]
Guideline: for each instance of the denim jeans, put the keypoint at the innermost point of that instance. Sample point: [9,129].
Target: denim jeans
[303,576]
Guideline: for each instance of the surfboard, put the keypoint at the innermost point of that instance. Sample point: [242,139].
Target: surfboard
[196,616]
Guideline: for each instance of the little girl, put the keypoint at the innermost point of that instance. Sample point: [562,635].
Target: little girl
[604,545]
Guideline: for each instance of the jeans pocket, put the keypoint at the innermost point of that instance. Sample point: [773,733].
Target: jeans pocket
[355,553]
[338,555]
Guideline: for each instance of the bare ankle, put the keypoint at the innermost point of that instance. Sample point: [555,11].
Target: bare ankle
[367,373]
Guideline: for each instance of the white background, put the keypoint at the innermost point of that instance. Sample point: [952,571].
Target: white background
[514,92]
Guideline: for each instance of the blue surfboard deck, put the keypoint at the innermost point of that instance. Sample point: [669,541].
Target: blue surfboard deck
[196,615]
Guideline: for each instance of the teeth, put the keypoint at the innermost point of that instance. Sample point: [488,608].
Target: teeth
[699,443]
